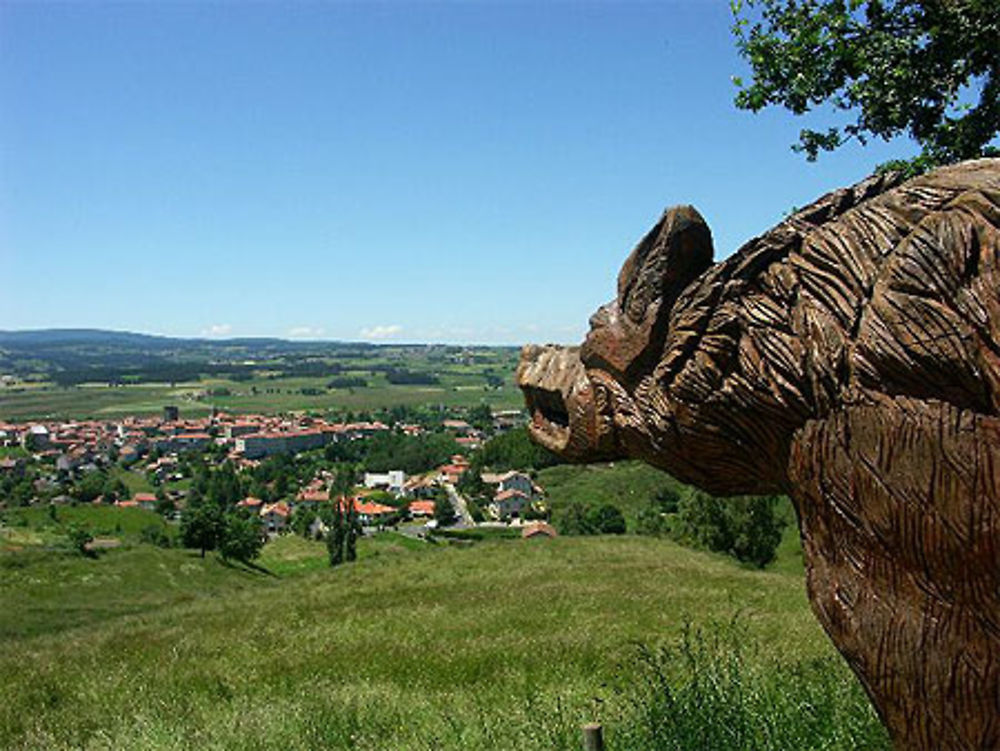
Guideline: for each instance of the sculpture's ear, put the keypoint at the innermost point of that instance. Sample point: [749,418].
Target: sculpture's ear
[671,255]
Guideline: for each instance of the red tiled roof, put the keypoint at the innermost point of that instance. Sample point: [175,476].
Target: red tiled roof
[505,494]
[372,509]
[422,507]
[280,508]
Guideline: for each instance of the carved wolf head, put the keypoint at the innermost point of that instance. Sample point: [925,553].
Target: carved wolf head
[707,370]
[594,402]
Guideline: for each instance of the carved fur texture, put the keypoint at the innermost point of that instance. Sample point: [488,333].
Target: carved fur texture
[850,358]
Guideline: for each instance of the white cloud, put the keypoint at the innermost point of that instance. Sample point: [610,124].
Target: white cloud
[306,332]
[217,329]
[381,332]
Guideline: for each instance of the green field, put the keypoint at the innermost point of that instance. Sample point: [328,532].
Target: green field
[504,644]
[629,485]
[270,396]
[273,378]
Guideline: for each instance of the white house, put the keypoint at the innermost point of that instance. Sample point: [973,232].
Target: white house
[393,480]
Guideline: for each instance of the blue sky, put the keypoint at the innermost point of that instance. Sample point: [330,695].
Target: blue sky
[448,172]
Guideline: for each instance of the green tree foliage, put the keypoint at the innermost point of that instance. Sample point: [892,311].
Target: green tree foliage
[480,417]
[114,490]
[911,67]
[90,486]
[587,519]
[241,538]
[470,484]
[748,527]
[572,519]
[444,512]
[203,525]
[388,450]
[513,450]
[759,531]
[607,519]
[335,536]
[352,528]
[79,539]
[342,534]
[302,518]
[650,520]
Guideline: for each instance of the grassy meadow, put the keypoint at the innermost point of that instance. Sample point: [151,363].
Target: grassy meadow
[501,644]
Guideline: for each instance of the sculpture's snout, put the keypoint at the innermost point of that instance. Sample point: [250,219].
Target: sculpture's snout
[569,415]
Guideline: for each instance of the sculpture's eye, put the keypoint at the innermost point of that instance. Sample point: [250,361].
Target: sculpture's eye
[602,398]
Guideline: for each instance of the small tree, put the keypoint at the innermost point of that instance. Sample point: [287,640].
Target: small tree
[241,538]
[202,527]
[336,533]
[703,520]
[302,519]
[444,512]
[747,527]
[80,538]
[651,520]
[352,530]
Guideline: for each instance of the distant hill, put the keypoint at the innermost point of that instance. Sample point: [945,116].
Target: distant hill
[79,336]
[73,356]
[102,337]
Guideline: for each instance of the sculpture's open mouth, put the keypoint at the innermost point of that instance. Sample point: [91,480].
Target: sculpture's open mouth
[550,377]
[549,417]
[547,406]
[567,414]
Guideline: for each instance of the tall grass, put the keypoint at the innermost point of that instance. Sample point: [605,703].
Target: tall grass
[498,645]
[712,691]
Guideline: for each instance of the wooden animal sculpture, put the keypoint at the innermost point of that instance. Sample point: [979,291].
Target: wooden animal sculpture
[849,358]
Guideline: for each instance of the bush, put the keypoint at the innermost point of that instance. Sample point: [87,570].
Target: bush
[582,519]
[154,534]
[79,539]
[572,519]
[347,382]
[746,527]
[241,538]
[607,520]
[650,520]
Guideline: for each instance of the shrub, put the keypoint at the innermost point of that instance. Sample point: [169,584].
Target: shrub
[745,527]
[80,538]
[606,519]
[583,519]
[154,534]
[650,520]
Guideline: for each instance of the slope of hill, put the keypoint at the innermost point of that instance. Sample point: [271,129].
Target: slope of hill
[499,645]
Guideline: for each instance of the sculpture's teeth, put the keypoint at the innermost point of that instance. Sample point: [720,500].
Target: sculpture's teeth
[548,377]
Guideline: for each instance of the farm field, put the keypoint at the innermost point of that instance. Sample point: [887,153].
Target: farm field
[273,396]
[500,644]
[109,375]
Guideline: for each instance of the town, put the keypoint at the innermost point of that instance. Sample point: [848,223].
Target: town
[286,467]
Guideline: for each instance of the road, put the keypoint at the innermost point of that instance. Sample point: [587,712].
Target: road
[458,503]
